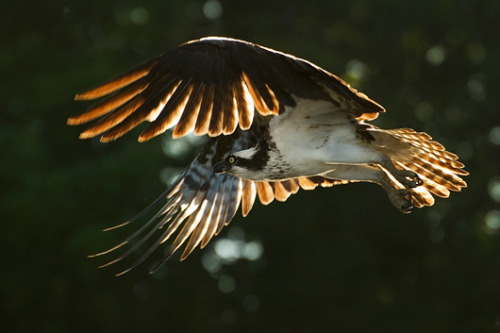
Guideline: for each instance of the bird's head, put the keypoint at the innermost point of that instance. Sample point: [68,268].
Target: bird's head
[245,164]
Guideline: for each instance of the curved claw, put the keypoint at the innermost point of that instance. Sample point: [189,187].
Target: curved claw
[402,200]
[408,206]
[417,180]
[409,179]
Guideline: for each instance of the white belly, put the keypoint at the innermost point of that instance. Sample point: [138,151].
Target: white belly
[314,137]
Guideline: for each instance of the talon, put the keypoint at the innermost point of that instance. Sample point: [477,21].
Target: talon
[418,181]
[407,196]
[415,180]
[402,200]
[409,179]
[407,208]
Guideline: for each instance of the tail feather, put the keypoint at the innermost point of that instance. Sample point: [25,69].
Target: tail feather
[421,197]
[439,169]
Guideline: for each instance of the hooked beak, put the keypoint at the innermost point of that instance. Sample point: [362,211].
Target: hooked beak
[221,167]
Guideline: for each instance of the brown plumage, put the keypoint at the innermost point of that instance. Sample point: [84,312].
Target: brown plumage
[267,115]
[237,76]
[439,169]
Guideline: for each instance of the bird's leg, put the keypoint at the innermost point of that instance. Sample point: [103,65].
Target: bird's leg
[401,198]
[408,179]
[365,154]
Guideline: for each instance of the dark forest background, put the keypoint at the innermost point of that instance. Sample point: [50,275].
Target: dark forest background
[332,260]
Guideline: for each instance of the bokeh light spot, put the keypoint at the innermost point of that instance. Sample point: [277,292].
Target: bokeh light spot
[492,220]
[170,174]
[139,16]
[435,55]
[475,88]
[494,188]
[212,9]
[226,284]
[179,149]
[356,70]
[253,250]
[424,111]
[210,262]
[494,135]
[251,303]
[228,249]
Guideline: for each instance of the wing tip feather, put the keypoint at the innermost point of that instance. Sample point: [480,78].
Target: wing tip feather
[85,96]
[72,121]
[87,135]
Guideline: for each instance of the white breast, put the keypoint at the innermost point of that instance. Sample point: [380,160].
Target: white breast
[310,135]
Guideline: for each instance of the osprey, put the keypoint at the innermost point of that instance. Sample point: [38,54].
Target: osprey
[276,123]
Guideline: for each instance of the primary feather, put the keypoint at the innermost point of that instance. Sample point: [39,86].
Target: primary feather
[277,123]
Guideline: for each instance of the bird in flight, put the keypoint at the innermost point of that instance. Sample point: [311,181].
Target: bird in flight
[276,123]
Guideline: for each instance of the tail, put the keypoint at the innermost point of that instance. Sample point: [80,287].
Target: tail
[439,169]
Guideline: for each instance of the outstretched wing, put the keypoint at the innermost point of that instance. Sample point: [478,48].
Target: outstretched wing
[200,203]
[212,86]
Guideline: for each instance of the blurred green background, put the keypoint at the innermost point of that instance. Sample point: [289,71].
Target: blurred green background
[333,260]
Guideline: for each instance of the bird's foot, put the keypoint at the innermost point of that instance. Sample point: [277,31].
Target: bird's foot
[402,200]
[408,179]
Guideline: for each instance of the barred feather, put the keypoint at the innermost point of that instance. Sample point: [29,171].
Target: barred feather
[439,169]
[212,86]
[200,203]
[230,90]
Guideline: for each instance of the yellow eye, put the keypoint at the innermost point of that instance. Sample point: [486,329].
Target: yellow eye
[231,159]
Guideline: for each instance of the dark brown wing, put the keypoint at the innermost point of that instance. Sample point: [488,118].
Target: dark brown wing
[197,206]
[200,203]
[212,86]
